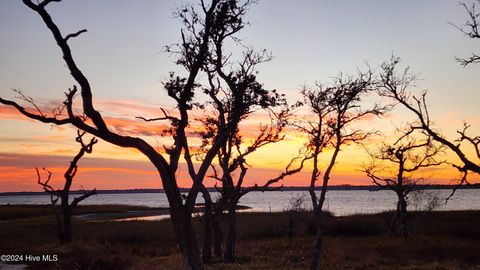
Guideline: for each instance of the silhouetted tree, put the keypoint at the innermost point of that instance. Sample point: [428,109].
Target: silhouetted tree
[396,84]
[232,160]
[234,94]
[232,166]
[212,232]
[207,27]
[333,109]
[64,211]
[471,30]
[208,220]
[408,155]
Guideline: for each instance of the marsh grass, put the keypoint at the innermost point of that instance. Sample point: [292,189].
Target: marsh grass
[439,240]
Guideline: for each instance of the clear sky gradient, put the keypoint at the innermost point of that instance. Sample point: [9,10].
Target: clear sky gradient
[123,56]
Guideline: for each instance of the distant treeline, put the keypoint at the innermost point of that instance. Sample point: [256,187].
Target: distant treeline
[211,189]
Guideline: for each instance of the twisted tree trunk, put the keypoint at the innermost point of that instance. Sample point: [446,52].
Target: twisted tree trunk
[400,221]
[217,231]
[229,255]
[207,228]
[317,246]
[67,225]
[186,239]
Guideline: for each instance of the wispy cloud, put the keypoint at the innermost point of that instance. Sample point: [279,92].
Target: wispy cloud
[121,115]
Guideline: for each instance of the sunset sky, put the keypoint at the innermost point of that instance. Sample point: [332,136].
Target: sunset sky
[123,56]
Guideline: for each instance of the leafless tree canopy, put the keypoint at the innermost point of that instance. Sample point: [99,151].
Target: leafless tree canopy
[233,168]
[408,154]
[208,26]
[471,30]
[334,109]
[63,212]
[396,84]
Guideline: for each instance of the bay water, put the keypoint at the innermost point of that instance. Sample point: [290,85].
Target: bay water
[339,202]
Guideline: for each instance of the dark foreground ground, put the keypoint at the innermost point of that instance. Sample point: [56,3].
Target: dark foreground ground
[439,240]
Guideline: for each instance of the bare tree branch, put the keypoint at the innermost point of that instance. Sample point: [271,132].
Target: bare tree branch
[44,2]
[409,154]
[470,29]
[166,116]
[396,85]
[72,35]
[287,172]
[334,109]
[63,212]
[201,50]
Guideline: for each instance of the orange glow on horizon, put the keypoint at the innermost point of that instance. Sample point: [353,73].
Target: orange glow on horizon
[112,167]
[126,174]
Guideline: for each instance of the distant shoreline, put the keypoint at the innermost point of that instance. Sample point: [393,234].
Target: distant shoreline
[211,189]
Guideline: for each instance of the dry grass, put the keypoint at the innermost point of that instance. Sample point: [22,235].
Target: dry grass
[440,240]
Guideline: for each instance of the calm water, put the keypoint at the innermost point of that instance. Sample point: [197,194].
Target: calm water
[340,202]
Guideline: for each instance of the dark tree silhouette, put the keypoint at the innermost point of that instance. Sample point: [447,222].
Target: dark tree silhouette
[471,30]
[333,110]
[232,167]
[396,84]
[64,211]
[213,234]
[408,155]
[232,160]
[207,27]
[234,94]
[210,227]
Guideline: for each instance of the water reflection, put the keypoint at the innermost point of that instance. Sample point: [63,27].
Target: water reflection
[147,218]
